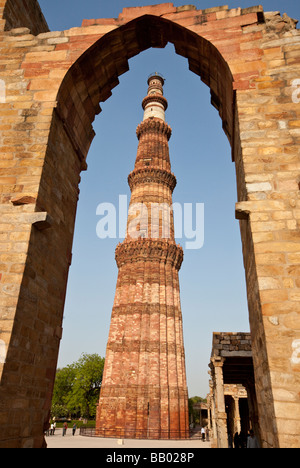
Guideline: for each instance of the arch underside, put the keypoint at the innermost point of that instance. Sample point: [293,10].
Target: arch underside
[93,76]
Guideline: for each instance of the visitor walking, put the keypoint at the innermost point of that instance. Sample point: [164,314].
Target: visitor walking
[252,441]
[65,427]
[74,429]
[203,434]
[236,440]
[243,440]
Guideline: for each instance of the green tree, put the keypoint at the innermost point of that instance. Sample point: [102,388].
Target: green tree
[86,390]
[63,391]
[77,387]
[194,415]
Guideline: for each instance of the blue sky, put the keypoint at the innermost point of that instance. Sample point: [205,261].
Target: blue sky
[212,279]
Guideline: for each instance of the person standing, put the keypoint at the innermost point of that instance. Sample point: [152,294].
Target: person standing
[252,441]
[65,427]
[236,440]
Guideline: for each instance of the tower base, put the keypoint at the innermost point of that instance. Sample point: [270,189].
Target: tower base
[143,413]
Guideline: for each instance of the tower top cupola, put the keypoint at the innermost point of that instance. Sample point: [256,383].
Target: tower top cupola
[155,104]
[153,77]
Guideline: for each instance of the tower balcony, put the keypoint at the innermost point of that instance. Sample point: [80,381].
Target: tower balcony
[153,250]
[150,174]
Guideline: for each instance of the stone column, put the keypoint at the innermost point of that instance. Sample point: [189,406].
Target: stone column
[220,403]
[237,416]
[209,413]
[213,408]
[253,410]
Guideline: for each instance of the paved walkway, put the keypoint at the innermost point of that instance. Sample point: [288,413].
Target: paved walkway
[57,441]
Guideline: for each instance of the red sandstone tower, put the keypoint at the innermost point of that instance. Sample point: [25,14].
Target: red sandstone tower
[144,391]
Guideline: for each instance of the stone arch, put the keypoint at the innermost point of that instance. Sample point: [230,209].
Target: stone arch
[95,73]
[249,60]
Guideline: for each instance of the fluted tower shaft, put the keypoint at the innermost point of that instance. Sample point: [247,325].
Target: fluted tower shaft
[144,390]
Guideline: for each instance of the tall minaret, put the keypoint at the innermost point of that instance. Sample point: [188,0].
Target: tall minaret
[144,391]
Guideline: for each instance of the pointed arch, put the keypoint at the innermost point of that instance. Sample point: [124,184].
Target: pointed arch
[92,77]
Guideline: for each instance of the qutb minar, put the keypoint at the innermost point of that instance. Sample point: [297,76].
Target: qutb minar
[144,390]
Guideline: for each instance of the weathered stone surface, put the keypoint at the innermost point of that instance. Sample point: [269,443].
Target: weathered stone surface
[19,16]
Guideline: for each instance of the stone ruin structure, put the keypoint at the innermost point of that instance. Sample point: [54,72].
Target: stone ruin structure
[51,87]
[232,380]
